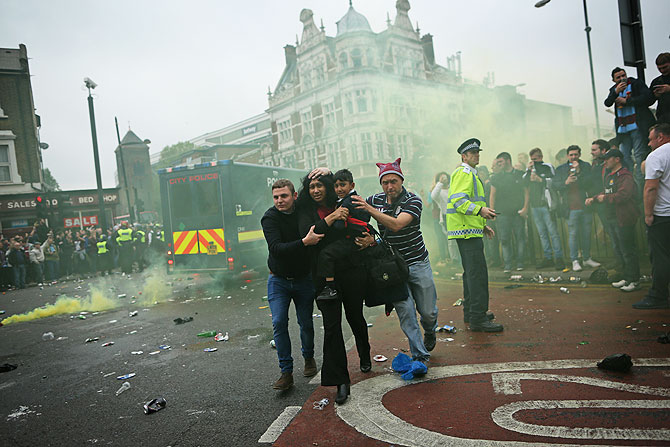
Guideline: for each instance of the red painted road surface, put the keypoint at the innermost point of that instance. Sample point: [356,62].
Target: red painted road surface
[535,383]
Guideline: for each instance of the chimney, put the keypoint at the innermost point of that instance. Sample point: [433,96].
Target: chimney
[428,51]
[289,52]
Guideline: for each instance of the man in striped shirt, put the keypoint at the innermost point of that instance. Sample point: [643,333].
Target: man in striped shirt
[398,215]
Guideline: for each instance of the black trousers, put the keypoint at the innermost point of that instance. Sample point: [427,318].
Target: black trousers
[126,258]
[475,279]
[658,235]
[330,255]
[334,367]
[624,238]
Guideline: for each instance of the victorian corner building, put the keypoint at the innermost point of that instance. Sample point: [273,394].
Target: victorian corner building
[362,97]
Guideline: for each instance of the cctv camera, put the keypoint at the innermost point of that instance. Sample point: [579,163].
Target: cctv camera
[89,83]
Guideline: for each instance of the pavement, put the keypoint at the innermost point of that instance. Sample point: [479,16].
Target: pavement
[536,383]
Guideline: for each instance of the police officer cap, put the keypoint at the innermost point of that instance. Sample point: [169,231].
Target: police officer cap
[469,145]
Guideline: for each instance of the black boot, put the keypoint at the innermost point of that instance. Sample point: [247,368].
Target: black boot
[342,393]
[366,364]
[485,325]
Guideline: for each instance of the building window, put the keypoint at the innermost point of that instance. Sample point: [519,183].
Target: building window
[307,125]
[329,113]
[348,103]
[356,58]
[285,133]
[366,146]
[361,101]
[344,60]
[403,149]
[370,57]
[379,145]
[353,149]
[334,154]
[5,175]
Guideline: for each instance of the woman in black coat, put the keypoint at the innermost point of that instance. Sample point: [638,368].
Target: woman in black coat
[316,206]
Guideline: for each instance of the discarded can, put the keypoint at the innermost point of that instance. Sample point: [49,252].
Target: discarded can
[123,295]
[321,404]
[516,278]
[369,324]
[126,376]
[155,352]
[132,314]
[154,405]
[124,387]
[81,317]
[458,302]
[379,358]
[109,343]
[2,312]
[221,337]
[575,279]
[557,279]
[207,334]
[272,344]
[165,347]
[447,328]
[48,336]
[564,290]
[137,352]
[210,349]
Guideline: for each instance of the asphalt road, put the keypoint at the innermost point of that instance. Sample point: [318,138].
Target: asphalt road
[63,392]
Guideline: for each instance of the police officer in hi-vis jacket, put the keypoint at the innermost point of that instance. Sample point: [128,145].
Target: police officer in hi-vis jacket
[466,223]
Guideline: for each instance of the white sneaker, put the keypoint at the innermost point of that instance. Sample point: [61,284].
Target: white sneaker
[591,263]
[619,284]
[631,286]
[576,267]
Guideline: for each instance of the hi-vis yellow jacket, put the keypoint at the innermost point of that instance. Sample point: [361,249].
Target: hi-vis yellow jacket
[466,198]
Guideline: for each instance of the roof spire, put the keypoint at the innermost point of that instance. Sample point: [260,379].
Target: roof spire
[350,5]
[297,42]
[388,19]
[323,28]
[418,30]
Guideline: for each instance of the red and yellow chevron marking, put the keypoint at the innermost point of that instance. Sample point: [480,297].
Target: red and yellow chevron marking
[185,242]
[213,235]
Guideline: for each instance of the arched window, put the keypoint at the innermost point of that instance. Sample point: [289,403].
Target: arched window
[357,58]
[344,60]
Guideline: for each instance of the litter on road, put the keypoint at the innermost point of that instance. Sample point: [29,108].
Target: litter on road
[616,362]
[124,387]
[132,314]
[207,334]
[109,343]
[210,349]
[321,404]
[180,320]
[221,337]
[126,376]
[379,358]
[154,405]
[48,336]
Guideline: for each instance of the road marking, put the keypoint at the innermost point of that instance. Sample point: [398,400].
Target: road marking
[510,383]
[504,417]
[365,412]
[277,427]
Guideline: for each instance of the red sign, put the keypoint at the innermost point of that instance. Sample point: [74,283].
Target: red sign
[86,221]
[194,178]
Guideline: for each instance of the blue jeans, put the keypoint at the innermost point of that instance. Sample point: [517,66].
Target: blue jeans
[422,298]
[633,144]
[280,293]
[579,230]
[512,239]
[546,228]
[52,269]
[20,275]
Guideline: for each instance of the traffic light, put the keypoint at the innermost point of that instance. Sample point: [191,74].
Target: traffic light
[40,205]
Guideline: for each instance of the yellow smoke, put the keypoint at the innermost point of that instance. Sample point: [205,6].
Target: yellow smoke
[156,289]
[97,301]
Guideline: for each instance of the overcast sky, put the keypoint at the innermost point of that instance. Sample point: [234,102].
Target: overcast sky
[173,70]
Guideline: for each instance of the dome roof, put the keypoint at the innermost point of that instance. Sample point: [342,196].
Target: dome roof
[351,22]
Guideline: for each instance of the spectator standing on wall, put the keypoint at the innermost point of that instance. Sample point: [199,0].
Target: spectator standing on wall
[573,182]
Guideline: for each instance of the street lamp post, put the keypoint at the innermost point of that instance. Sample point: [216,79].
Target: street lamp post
[101,205]
[587,29]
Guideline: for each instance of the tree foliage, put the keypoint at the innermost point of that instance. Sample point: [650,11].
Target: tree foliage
[169,153]
[50,181]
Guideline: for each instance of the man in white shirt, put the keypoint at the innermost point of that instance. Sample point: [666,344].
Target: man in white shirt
[657,216]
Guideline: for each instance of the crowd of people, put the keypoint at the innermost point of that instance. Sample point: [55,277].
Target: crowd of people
[572,190]
[45,255]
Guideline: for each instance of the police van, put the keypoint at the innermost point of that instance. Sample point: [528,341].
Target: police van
[212,215]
